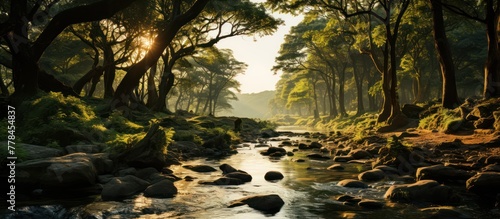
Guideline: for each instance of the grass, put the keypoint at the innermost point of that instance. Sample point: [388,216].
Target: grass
[444,120]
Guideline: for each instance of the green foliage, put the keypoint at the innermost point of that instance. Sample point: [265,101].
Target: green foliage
[121,124]
[187,135]
[54,119]
[444,120]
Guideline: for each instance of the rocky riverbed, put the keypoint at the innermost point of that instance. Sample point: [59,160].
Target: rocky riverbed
[402,174]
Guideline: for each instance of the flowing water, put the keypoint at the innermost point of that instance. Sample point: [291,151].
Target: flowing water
[308,190]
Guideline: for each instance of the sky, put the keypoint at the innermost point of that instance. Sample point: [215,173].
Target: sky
[259,53]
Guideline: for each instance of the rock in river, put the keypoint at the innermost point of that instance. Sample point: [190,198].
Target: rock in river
[120,188]
[273,175]
[200,168]
[372,175]
[484,183]
[352,183]
[162,189]
[424,190]
[267,203]
[442,173]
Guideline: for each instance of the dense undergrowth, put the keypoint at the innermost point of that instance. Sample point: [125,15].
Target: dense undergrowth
[56,121]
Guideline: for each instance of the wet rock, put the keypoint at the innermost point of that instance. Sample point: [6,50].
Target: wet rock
[162,189]
[265,203]
[269,133]
[200,168]
[33,152]
[484,183]
[102,163]
[189,178]
[343,198]
[303,146]
[372,175]
[300,160]
[146,173]
[127,171]
[491,168]
[290,154]
[244,177]
[226,168]
[120,188]
[335,167]
[274,150]
[493,159]
[286,143]
[224,181]
[371,204]
[315,144]
[343,158]
[360,154]
[273,175]
[446,212]
[388,169]
[103,179]
[318,157]
[70,172]
[424,190]
[351,183]
[88,148]
[442,173]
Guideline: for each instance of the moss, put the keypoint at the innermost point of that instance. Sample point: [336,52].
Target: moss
[119,123]
[444,120]
[187,135]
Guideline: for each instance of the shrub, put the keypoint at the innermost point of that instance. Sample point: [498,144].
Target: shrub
[444,120]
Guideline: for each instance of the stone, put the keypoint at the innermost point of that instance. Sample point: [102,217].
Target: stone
[411,110]
[491,168]
[442,173]
[226,168]
[87,148]
[200,168]
[370,204]
[484,123]
[243,176]
[274,150]
[335,167]
[290,154]
[371,175]
[223,181]
[493,159]
[146,173]
[273,175]
[102,163]
[445,212]
[343,158]
[388,169]
[266,203]
[33,152]
[67,172]
[360,154]
[120,188]
[162,189]
[422,191]
[315,144]
[318,157]
[351,183]
[484,183]
[127,171]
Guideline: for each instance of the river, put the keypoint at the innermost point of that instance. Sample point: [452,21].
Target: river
[308,190]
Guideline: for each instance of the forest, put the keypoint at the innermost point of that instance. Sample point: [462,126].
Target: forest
[110,108]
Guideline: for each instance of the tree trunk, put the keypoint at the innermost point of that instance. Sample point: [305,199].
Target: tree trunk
[386,79]
[342,110]
[152,92]
[449,89]
[358,80]
[492,66]
[88,77]
[134,74]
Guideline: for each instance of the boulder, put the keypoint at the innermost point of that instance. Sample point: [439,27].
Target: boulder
[148,152]
[162,189]
[442,173]
[87,148]
[266,203]
[493,159]
[33,152]
[318,157]
[274,150]
[243,176]
[269,133]
[343,158]
[226,168]
[484,123]
[484,183]
[372,175]
[351,183]
[127,171]
[388,169]
[200,168]
[120,188]
[223,181]
[422,191]
[273,175]
[445,212]
[335,167]
[146,173]
[370,204]
[102,163]
[70,172]
[411,110]
[315,144]
[491,168]
[360,154]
